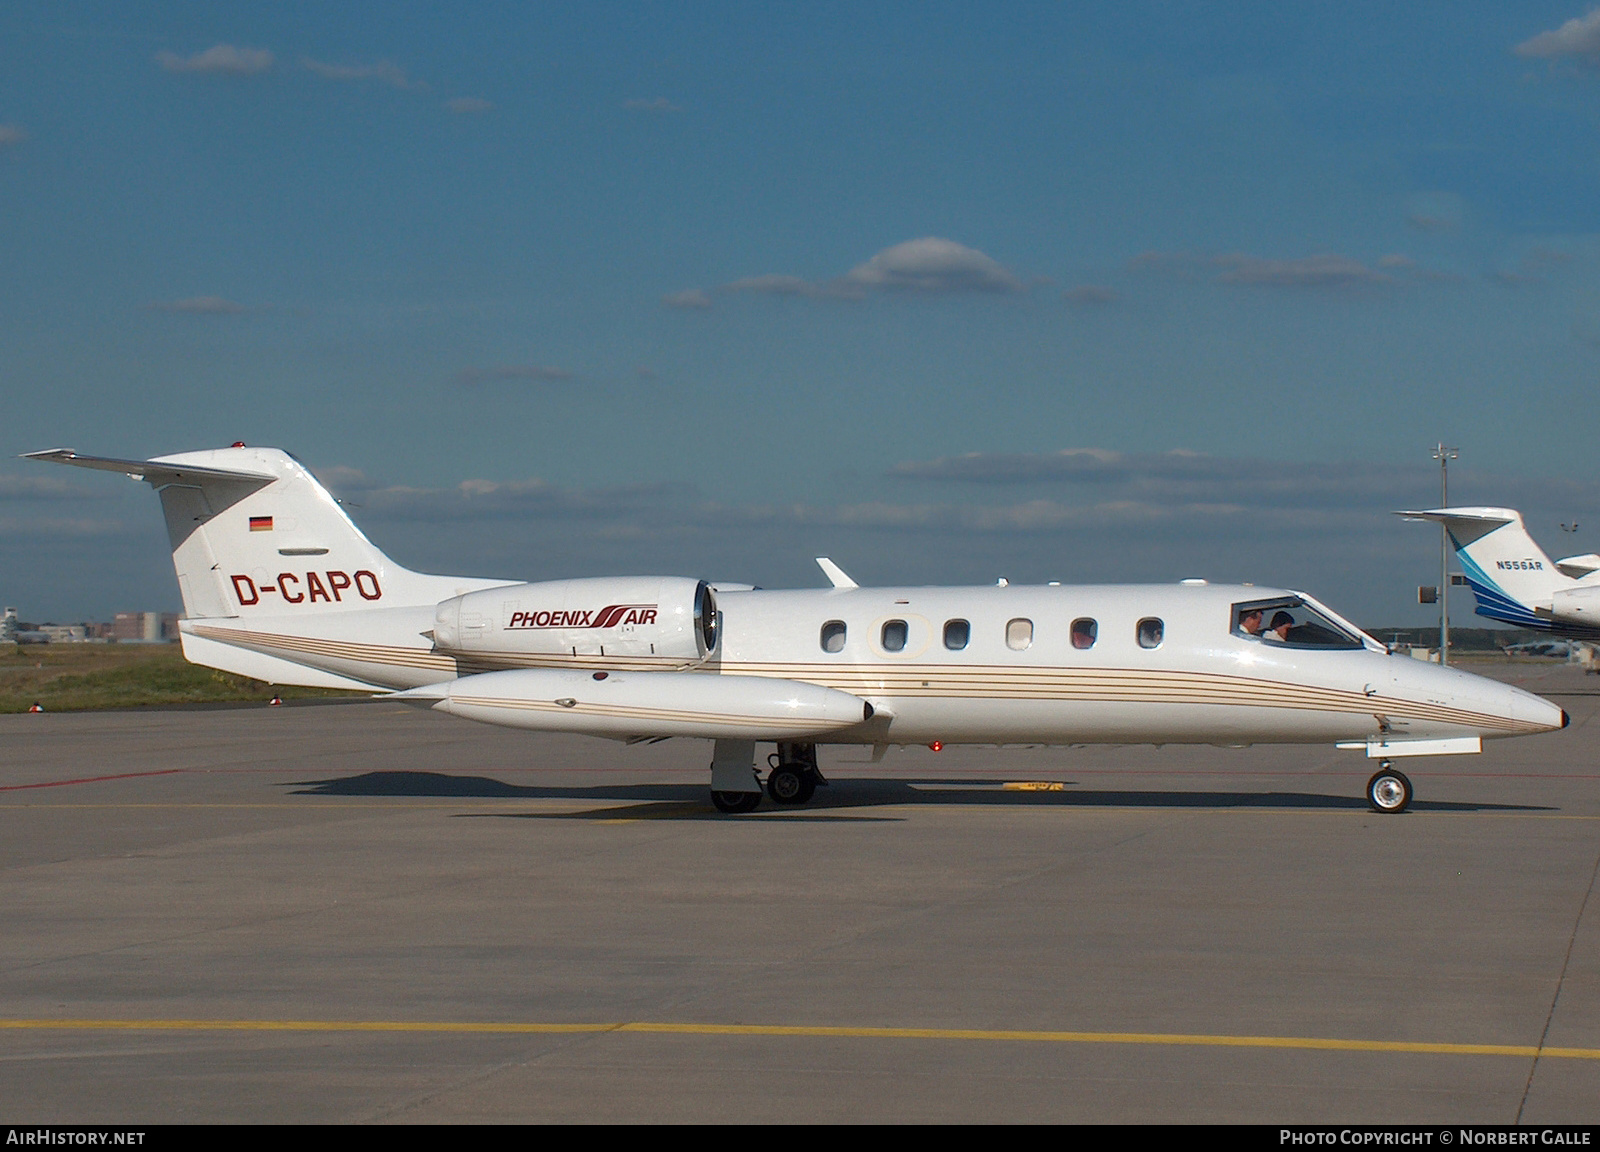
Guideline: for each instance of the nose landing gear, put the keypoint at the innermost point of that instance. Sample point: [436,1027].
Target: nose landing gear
[1389,790]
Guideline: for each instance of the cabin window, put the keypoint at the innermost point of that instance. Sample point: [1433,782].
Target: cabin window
[1151,632]
[1290,622]
[1084,632]
[1019,634]
[833,636]
[957,634]
[894,635]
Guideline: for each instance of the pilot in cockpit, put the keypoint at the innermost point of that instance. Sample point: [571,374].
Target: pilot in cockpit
[1281,625]
[1250,622]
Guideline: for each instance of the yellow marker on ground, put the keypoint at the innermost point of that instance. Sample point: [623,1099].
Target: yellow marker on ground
[1169,1039]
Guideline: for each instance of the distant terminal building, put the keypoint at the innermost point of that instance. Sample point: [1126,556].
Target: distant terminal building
[145,627]
[127,628]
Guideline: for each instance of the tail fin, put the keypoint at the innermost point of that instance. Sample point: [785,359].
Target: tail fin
[1511,577]
[252,531]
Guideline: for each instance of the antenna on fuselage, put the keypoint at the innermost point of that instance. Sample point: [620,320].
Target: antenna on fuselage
[835,574]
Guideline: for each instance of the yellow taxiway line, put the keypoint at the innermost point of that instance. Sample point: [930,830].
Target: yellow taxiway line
[1305,1043]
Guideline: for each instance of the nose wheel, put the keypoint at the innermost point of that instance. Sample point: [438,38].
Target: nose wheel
[1389,790]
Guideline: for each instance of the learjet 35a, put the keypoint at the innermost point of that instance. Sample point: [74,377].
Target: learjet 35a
[278,584]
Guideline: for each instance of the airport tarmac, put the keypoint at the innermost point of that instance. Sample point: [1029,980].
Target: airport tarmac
[361,912]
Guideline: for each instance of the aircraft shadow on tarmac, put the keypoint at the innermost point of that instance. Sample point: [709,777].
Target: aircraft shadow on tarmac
[693,800]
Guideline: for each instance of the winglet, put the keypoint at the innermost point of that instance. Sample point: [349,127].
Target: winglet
[835,573]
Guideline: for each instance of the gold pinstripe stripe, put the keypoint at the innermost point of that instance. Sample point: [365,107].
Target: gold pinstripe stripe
[987,682]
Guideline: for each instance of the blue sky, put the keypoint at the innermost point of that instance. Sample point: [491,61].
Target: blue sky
[711,289]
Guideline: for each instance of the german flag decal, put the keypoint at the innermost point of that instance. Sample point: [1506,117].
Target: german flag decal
[261,523]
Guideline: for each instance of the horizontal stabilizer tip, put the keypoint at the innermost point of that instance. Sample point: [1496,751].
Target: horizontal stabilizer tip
[1478,515]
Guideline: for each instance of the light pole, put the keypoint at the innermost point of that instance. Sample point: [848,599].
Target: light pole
[1444,455]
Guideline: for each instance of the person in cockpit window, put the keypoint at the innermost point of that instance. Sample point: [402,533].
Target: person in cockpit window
[1281,625]
[1250,622]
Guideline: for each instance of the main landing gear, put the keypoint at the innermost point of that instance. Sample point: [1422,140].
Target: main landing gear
[734,803]
[794,776]
[736,787]
[1389,790]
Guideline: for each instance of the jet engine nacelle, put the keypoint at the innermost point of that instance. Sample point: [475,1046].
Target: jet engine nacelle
[1580,605]
[647,616]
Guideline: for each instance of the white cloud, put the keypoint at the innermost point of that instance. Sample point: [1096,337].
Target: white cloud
[689,298]
[470,377]
[384,71]
[1325,270]
[779,285]
[468,105]
[1119,516]
[1192,479]
[927,266]
[43,488]
[11,134]
[28,530]
[199,305]
[932,264]
[1089,295]
[220,59]
[1579,36]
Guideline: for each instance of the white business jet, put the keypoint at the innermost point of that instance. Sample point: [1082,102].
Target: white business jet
[279,585]
[1511,577]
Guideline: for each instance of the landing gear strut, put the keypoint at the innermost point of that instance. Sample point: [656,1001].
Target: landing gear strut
[735,786]
[1389,790]
[794,776]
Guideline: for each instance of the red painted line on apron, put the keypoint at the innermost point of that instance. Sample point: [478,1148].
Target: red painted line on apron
[89,779]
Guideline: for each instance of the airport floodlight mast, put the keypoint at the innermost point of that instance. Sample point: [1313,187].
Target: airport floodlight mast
[1444,455]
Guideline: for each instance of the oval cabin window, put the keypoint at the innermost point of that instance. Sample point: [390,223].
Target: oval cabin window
[894,636]
[956,634]
[833,636]
[1019,635]
[1084,632]
[1151,632]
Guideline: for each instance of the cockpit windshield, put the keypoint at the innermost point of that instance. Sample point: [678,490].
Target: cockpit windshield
[1288,621]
